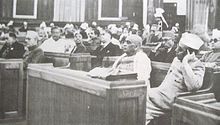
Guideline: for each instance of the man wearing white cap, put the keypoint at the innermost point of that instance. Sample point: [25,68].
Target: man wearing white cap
[185,74]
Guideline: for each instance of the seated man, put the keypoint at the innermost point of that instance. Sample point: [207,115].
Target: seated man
[213,57]
[12,49]
[34,54]
[80,47]
[107,48]
[56,44]
[185,74]
[134,59]
[164,52]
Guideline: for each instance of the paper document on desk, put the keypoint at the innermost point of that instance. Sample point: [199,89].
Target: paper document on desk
[111,74]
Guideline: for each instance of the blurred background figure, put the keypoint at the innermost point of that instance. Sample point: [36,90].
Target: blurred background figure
[175,28]
[24,27]
[42,36]
[12,49]
[80,47]
[213,56]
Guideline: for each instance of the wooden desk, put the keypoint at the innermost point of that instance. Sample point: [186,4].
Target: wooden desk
[62,96]
[196,110]
[12,104]
[59,59]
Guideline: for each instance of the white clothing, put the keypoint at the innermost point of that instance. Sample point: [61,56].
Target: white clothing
[139,63]
[60,46]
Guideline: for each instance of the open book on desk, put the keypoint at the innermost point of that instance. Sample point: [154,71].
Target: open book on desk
[112,74]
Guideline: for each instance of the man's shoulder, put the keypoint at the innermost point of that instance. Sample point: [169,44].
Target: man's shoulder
[18,45]
[141,55]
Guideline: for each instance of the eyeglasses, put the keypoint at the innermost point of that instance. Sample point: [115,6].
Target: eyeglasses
[27,38]
[214,40]
[127,41]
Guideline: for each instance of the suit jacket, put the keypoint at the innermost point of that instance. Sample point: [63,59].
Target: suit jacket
[16,50]
[110,50]
[162,55]
[100,52]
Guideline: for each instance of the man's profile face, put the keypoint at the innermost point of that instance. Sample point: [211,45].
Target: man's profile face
[30,41]
[180,52]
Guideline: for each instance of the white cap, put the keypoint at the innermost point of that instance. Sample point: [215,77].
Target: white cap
[67,26]
[216,34]
[94,23]
[111,26]
[52,25]
[114,30]
[135,27]
[159,12]
[84,26]
[43,25]
[10,23]
[191,41]
[25,23]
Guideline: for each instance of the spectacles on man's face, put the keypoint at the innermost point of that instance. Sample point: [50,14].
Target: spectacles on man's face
[27,38]
[214,40]
[126,41]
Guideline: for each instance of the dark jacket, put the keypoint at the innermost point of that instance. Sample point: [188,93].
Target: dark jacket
[100,53]
[162,55]
[16,50]
[110,50]
[34,55]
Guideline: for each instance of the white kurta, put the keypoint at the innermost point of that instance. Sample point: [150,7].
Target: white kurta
[139,63]
[60,46]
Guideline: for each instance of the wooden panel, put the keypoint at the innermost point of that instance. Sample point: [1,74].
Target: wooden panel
[58,59]
[7,6]
[80,62]
[196,110]
[91,10]
[63,97]
[25,7]
[45,10]
[12,98]
[52,104]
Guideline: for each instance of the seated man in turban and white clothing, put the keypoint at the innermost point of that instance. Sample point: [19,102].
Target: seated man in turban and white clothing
[185,74]
[134,59]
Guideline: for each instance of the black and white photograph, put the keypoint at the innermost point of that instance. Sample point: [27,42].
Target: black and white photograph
[109,62]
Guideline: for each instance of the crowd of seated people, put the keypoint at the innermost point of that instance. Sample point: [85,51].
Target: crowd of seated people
[185,74]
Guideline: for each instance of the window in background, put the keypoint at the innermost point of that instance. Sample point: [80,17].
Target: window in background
[25,9]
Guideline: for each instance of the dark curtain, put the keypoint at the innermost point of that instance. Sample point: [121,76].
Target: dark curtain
[45,9]
[91,10]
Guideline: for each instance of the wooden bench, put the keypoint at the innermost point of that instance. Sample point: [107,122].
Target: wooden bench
[200,109]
